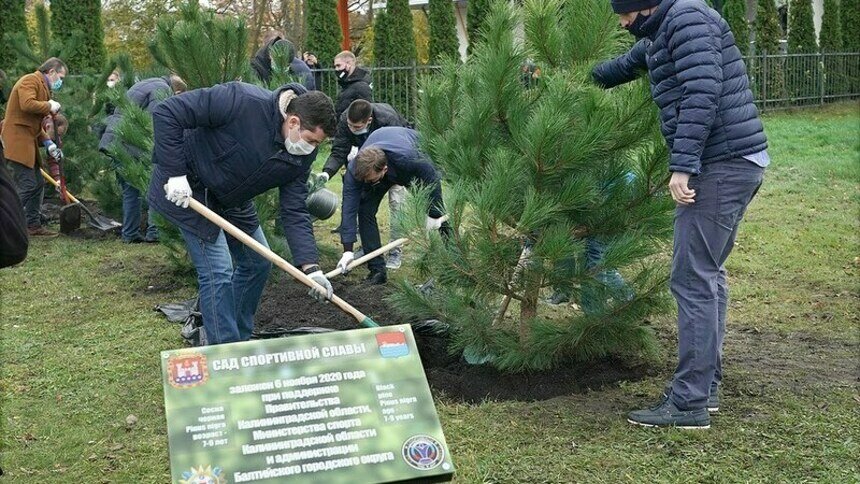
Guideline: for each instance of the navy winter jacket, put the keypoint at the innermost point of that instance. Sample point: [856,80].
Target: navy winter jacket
[699,82]
[406,166]
[383,115]
[227,139]
[146,94]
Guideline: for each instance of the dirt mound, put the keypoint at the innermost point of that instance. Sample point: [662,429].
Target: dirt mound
[286,306]
[51,215]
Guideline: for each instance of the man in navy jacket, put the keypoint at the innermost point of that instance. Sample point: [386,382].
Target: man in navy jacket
[718,153]
[389,157]
[223,146]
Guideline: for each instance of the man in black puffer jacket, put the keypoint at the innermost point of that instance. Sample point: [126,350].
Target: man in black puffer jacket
[354,82]
[718,153]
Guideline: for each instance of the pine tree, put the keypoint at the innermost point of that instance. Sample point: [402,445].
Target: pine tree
[324,36]
[83,16]
[394,47]
[476,12]
[12,21]
[849,12]
[202,48]
[735,13]
[531,176]
[801,32]
[443,31]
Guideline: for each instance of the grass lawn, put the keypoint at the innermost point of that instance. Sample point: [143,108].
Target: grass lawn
[80,353]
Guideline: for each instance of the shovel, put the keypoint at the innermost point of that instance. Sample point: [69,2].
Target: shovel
[278,261]
[366,257]
[97,221]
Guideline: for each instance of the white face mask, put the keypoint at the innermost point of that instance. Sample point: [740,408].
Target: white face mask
[361,131]
[298,148]
[111,84]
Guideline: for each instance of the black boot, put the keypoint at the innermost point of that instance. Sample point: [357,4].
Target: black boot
[376,277]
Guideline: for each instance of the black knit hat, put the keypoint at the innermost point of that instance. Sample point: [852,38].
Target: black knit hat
[626,6]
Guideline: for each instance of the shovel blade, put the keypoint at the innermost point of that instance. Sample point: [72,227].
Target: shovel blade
[70,218]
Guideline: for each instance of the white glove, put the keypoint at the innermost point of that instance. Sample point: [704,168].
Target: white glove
[55,106]
[320,279]
[323,178]
[178,190]
[345,260]
[433,223]
[53,151]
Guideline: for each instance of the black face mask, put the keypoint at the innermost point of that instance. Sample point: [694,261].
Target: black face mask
[636,29]
[341,73]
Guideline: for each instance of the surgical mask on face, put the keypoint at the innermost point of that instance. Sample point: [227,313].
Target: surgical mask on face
[359,132]
[635,27]
[298,148]
[56,85]
[111,84]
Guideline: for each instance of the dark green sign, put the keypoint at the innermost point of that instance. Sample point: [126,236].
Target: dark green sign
[341,407]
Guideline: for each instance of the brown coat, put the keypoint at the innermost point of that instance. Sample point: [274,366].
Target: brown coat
[22,128]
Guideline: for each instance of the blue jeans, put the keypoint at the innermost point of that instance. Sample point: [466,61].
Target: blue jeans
[131,207]
[229,292]
[592,297]
[705,234]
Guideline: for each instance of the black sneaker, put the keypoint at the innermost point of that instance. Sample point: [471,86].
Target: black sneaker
[376,278]
[669,415]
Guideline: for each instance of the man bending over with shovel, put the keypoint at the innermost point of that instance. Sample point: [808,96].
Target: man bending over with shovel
[223,146]
[389,157]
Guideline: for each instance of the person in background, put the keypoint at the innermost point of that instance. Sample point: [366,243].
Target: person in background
[717,157]
[55,127]
[145,94]
[314,65]
[223,146]
[354,127]
[29,102]
[354,82]
[263,63]
[389,157]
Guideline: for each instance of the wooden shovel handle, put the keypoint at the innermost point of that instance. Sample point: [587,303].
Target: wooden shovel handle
[54,182]
[366,257]
[276,259]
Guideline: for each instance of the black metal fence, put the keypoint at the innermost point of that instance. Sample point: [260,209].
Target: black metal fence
[777,81]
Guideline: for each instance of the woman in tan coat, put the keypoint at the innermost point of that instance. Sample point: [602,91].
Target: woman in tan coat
[29,102]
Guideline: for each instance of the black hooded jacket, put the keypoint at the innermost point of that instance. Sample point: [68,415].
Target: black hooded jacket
[355,86]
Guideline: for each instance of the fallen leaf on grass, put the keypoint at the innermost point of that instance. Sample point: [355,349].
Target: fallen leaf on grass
[131,420]
[92,457]
[116,447]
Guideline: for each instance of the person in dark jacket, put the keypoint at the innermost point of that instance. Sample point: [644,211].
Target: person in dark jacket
[145,94]
[224,145]
[718,154]
[354,82]
[355,125]
[13,225]
[389,157]
[263,64]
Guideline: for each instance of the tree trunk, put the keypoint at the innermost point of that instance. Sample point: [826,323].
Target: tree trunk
[528,310]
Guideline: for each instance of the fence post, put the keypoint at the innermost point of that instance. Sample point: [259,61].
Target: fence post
[413,88]
[822,73]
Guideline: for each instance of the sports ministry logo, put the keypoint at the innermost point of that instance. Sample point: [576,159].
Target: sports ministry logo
[187,371]
[423,452]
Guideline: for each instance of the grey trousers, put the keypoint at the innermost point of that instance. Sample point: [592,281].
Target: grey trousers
[31,191]
[705,233]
